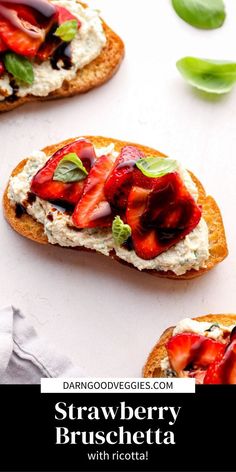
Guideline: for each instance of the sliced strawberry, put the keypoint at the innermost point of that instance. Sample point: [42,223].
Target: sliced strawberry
[213,374]
[42,9]
[223,370]
[48,48]
[25,13]
[181,349]
[233,335]
[64,15]
[19,30]
[18,41]
[168,214]
[137,204]
[141,180]
[3,46]
[52,42]
[198,375]
[119,182]
[93,209]
[23,29]
[45,187]
[193,350]
[210,350]
[2,68]
[228,364]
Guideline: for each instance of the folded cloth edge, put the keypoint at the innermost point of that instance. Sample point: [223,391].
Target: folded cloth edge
[24,343]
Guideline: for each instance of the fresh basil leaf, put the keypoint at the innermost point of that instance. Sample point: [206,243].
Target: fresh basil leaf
[120,231]
[157,166]
[205,14]
[67,31]
[207,75]
[20,67]
[70,169]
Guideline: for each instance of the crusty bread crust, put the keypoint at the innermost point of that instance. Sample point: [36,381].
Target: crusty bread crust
[29,228]
[91,76]
[152,367]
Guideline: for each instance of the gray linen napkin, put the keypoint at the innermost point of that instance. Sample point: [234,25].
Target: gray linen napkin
[24,357]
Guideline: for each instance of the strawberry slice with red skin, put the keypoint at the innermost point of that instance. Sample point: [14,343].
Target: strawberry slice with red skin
[233,335]
[141,180]
[213,375]
[137,204]
[3,46]
[16,39]
[24,12]
[119,182]
[48,48]
[188,350]
[228,364]
[210,350]
[52,42]
[180,349]
[2,68]
[166,215]
[22,41]
[46,188]
[64,15]
[198,375]
[93,210]
[223,370]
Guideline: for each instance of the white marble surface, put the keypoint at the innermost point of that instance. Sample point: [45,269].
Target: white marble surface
[107,317]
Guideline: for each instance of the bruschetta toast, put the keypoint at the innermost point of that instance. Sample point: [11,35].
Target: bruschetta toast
[53,49]
[124,200]
[203,348]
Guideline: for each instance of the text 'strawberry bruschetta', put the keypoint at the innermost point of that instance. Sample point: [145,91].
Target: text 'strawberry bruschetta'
[120,199]
[52,49]
[203,348]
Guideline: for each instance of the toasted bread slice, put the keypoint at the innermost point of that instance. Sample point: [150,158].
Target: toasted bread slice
[31,229]
[152,367]
[91,76]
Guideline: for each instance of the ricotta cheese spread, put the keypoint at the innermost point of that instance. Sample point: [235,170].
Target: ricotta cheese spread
[190,253]
[5,88]
[86,46]
[203,328]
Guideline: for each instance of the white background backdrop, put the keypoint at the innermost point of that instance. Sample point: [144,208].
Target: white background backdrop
[107,317]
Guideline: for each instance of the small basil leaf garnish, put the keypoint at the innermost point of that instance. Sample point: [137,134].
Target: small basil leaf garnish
[120,231]
[207,75]
[70,169]
[67,31]
[20,67]
[205,14]
[157,166]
